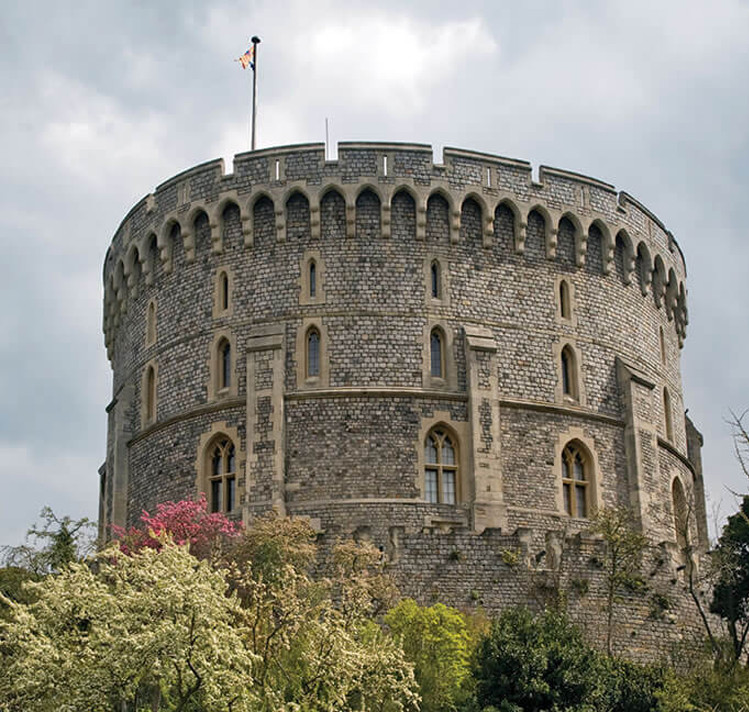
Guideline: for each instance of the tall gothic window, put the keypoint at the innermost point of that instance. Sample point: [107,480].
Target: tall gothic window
[576,480]
[440,467]
[437,353]
[223,475]
[313,353]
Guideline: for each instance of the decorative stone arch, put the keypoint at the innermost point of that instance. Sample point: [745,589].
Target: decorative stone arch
[322,379]
[149,255]
[567,353]
[672,294]
[133,269]
[520,221]
[453,214]
[643,267]
[320,197]
[359,191]
[580,236]
[216,389]
[165,243]
[550,231]
[659,280]
[256,195]
[460,432]
[120,285]
[487,216]
[420,207]
[203,464]
[607,244]
[281,233]
[628,255]
[594,495]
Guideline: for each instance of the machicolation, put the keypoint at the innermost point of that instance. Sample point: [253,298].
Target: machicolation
[452,360]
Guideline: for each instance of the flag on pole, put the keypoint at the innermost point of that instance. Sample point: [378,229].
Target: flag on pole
[248,58]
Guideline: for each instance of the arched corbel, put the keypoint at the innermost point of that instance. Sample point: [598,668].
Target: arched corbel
[552,233]
[280,222]
[488,236]
[314,217]
[385,218]
[521,232]
[421,218]
[248,229]
[581,247]
[350,217]
[607,256]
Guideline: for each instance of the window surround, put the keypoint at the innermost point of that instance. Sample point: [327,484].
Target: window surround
[680,514]
[459,432]
[443,300]
[571,319]
[577,395]
[668,416]
[322,379]
[203,462]
[219,311]
[448,379]
[149,402]
[305,298]
[594,499]
[216,388]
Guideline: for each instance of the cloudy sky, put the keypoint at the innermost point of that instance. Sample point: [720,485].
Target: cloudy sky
[102,101]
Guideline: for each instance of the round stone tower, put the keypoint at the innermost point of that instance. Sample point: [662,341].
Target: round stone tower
[453,360]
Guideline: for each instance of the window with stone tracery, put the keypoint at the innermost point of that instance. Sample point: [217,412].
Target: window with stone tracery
[222,478]
[440,467]
[576,476]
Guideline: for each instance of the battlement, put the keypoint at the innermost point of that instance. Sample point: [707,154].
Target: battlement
[650,254]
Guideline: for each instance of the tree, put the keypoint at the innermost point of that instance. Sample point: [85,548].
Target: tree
[51,545]
[530,663]
[622,558]
[731,591]
[186,522]
[436,641]
[153,630]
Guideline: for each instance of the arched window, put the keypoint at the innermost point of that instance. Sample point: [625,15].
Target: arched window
[223,475]
[224,365]
[565,306]
[436,280]
[576,477]
[681,514]
[440,467]
[150,395]
[151,323]
[437,353]
[312,279]
[313,353]
[570,388]
[667,422]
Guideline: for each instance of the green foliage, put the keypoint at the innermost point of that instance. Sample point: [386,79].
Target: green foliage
[533,663]
[436,640]
[715,686]
[52,545]
[731,591]
[621,561]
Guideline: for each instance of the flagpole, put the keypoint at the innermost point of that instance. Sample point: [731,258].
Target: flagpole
[255,42]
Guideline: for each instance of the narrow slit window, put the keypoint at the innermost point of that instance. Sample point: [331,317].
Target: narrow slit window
[436,285]
[569,374]
[312,279]
[150,395]
[313,353]
[564,300]
[224,291]
[663,345]
[225,365]
[278,169]
[667,418]
[151,323]
[436,348]
[384,165]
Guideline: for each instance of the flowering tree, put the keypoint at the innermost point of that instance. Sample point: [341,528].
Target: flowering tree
[151,630]
[186,522]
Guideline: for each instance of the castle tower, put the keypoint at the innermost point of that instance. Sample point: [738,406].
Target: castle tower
[441,357]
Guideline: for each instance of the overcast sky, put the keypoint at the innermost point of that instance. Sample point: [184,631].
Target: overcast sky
[102,101]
